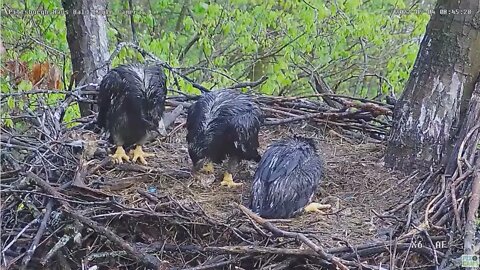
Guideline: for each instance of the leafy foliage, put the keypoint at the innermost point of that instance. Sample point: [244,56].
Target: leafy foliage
[359,47]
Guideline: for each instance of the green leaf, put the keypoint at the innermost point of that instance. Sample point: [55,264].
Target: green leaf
[8,122]
[226,28]
[352,5]
[188,23]
[25,86]
[200,8]
[11,103]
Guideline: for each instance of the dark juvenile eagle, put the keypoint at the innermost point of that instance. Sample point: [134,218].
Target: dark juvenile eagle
[223,124]
[286,179]
[131,102]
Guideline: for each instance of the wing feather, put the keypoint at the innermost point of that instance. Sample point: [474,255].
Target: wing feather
[221,121]
[108,86]
[286,178]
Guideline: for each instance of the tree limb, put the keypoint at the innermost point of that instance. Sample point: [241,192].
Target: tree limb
[189,45]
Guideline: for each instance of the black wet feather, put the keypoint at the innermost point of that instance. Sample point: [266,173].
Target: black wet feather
[286,178]
[221,124]
[131,102]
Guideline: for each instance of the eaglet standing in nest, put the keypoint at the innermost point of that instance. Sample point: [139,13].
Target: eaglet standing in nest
[131,102]
[223,124]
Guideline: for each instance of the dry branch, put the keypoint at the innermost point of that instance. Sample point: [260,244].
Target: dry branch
[278,232]
[78,189]
[38,236]
[69,167]
[145,259]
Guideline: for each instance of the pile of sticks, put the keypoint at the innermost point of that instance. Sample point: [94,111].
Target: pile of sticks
[50,216]
[447,200]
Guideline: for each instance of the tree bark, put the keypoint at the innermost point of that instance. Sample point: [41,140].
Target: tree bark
[470,132]
[87,40]
[431,110]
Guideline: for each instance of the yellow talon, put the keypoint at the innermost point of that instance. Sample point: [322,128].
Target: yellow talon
[228,181]
[119,155]
[316,207]
[140,155]
[208,168]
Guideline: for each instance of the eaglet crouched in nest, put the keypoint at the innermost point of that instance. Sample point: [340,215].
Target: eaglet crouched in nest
[286,179]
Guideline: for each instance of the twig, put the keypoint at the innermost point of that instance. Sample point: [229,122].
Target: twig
[272,228]
[189,45]
[320,115]
[102,255]
[406,179]
[48,188]
[148,196]
[159,61]
[256,250]
[248,84]
[38,236]
[61,243]
[20,234]
[146,259]
[132,22]
[218,264]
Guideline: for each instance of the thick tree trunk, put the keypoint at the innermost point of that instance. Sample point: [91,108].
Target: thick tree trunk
[469,135]
[430,112]
[87,40]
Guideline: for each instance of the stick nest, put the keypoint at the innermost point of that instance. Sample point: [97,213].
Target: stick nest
[65,205]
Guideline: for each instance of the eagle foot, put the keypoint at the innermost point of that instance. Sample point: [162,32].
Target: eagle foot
[208,168]
[138,154]
[228,181]
[316,207]
[120,155]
